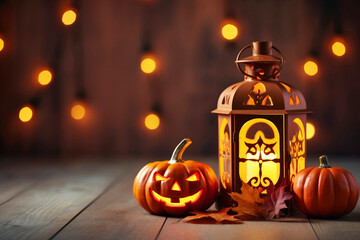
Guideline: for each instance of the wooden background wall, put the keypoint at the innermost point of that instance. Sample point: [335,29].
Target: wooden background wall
[102,50]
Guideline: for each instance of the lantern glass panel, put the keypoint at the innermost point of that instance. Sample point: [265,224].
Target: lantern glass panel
[260,159]
[225,153]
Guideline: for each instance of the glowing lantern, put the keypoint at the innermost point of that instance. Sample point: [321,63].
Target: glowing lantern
[176,187]
[25,114]
[68,17]
[261,123]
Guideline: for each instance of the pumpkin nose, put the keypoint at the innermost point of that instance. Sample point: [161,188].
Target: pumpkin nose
[176,186]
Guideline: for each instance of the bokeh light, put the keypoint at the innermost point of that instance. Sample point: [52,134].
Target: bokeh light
[338,48]
[68,17]
[44,77]
[25,114]
[148,65]
[152,121]
[78,111]
[310,130]
[229,31]
[310,68]
[2,44]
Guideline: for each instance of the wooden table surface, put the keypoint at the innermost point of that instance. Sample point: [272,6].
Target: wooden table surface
[89,199]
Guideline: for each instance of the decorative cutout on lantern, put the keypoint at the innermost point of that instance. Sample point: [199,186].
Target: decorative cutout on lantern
[258,96]
[224,154]
[293,97]
[297,147]
[259,153]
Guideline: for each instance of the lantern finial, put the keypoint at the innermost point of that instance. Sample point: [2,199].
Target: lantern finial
[262,48]
[261,65]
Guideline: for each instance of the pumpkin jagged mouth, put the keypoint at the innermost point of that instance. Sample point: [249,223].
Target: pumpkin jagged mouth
[182,201]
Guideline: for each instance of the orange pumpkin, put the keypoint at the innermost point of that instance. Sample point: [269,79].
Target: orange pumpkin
[176,187]
[325,191]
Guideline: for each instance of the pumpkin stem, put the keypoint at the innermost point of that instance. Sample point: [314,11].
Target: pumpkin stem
[324,163]
[179,150]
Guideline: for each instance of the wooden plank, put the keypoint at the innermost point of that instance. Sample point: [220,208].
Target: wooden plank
[115,215]
[297,227]
[15,179]
[42,210]
[348,226]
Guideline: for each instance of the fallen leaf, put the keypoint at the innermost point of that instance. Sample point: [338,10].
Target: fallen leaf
[275,200]
[249,203]
[212,217]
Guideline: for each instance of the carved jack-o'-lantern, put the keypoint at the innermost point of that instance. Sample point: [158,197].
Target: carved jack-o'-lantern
[261,125]
[176,187]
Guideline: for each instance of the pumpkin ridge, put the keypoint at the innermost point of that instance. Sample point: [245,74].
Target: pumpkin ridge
[143,175]
[349,202]
[326,190]
[311,190]
[302,182]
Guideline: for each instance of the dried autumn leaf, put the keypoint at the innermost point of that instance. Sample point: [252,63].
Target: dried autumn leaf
[249,203]
[211,217]
[275,200]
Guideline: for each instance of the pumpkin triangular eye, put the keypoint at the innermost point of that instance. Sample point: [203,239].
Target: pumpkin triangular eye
[194,177]
[159,177]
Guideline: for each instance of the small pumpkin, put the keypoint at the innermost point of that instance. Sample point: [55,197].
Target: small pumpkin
[176,187]
[325,191]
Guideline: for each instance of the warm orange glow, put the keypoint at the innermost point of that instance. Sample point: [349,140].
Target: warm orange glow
[159,177]
[44,77]
[310,68]
[25,114]
[152,121]
[181,201]
[257,154]
[229,31]
[68,17]
[2,44]
[338,48]
[176,186]
[193,178]
[148,65]
[310,130]
[78,111]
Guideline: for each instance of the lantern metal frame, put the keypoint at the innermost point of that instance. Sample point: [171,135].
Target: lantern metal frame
[260,96]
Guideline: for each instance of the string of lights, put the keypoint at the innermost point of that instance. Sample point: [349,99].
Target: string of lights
[229,29]
[149,67]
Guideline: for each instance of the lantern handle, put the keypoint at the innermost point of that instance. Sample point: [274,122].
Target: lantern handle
[264,78]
